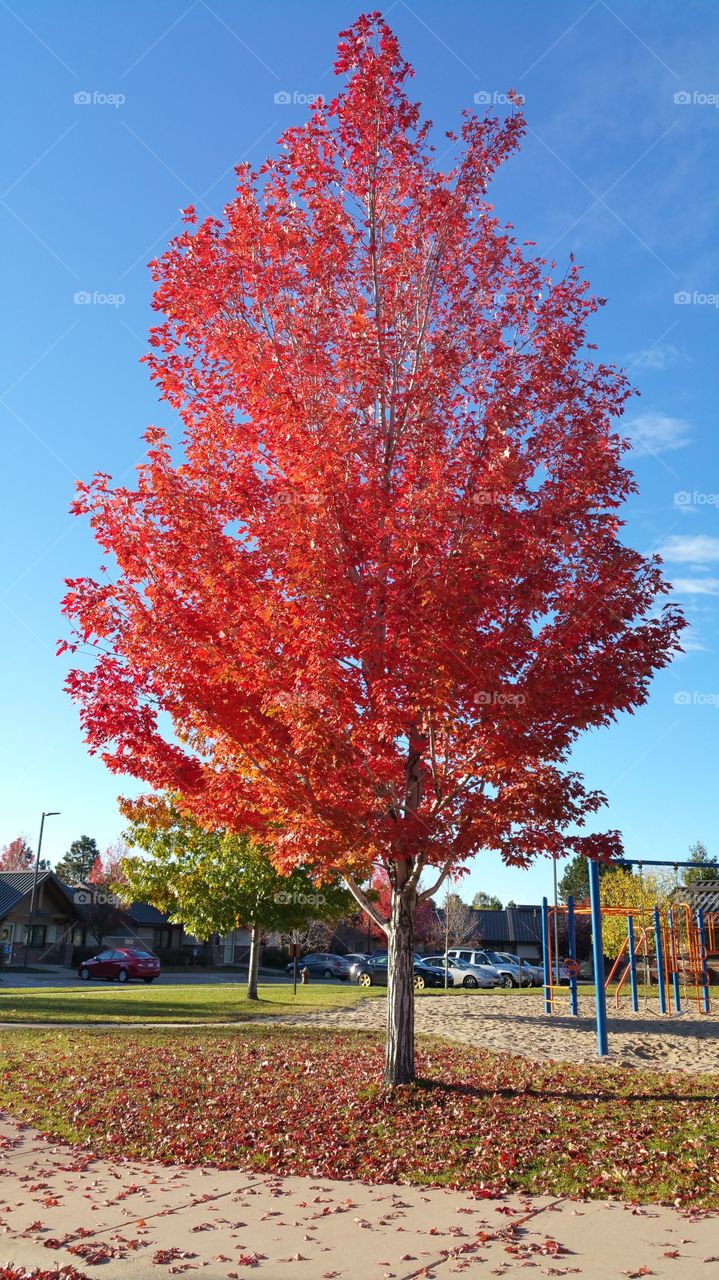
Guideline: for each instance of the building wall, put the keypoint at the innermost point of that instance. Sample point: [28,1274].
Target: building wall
[234,948]
[57,945]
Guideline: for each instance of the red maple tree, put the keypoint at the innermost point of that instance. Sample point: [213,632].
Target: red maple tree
[425,918]
[372,603]
[17,855]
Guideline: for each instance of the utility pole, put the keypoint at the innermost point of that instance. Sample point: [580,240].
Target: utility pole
[53,814]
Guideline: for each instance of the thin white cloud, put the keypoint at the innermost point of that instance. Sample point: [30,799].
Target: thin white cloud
[696,586]
[652,433]
[664,355]
[691,644]
[700,548]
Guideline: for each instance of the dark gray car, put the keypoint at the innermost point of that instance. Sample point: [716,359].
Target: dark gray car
[322,964]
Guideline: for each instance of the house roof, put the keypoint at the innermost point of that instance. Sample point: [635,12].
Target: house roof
[141,913]
[16,885]
[10,892]
[700,893]
[144,913]
[514,925]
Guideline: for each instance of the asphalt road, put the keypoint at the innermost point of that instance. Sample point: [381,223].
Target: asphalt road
[10,979]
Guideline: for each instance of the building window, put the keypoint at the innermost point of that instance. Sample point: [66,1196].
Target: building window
[37,937]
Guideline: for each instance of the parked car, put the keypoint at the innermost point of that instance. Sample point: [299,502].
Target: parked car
[122,963]
[464,974]
[535,971]
[373,972]
[481,960]
[356,957]
[520,975]
[324,964]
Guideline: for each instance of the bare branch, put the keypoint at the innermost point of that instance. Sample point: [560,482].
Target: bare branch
[364,902]
[428,893]
[416,873]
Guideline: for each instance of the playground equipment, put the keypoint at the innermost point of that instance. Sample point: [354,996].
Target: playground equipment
[671,943]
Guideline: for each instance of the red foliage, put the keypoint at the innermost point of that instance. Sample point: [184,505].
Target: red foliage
[384,588]
[16,856]
[42,1273]
[425,918]
[105,871]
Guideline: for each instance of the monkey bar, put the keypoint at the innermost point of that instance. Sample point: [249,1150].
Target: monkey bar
[674,941]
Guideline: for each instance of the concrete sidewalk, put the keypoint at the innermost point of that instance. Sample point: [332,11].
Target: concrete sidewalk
[128,1220]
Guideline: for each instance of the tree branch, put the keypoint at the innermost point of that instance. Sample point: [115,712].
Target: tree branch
[416,873]
[364,902]
[427,893]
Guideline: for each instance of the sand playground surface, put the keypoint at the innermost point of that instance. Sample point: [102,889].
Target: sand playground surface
[514,1023]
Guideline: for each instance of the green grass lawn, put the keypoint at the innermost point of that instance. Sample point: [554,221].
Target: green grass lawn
[294,1101]
[198,1002]
[219,1002]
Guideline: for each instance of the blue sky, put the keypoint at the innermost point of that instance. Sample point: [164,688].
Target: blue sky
[618,166]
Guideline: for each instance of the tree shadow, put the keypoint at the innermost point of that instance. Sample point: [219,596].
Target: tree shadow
[595,1094]
[706,1030]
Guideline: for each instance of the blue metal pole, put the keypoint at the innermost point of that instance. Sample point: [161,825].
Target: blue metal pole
[545,957]
[706,1005]
[572,951]
[598,956]
[632,955]
[672,959]
[660,961]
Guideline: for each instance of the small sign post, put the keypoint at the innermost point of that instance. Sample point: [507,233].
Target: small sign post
[294,953]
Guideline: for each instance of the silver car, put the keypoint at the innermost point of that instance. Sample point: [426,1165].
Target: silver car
[508,974]
[464,974]
[534,972]
[519,974]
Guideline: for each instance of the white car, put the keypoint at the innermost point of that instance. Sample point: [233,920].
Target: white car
[464,974]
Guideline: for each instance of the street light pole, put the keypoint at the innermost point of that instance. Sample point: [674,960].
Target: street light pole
[51,814]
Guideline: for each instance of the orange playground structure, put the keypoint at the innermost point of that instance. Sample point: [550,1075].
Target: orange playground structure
[667,949]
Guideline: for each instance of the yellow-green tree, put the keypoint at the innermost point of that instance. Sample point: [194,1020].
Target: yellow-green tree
[215,881]
[639,893]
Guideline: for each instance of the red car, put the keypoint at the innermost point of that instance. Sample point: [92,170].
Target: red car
[122,963]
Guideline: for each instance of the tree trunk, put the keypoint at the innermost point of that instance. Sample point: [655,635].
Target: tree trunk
[399,1048]
[254,962]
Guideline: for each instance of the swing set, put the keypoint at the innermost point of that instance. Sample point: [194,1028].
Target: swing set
[670,945]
